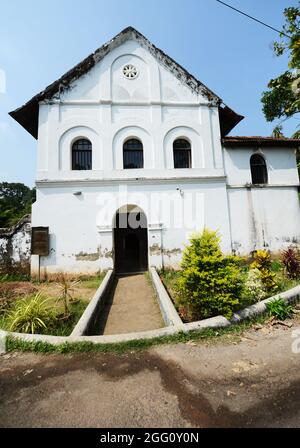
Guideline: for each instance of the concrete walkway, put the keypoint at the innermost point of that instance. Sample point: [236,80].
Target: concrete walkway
[131,307]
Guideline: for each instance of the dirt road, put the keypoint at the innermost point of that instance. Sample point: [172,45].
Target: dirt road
[252,381]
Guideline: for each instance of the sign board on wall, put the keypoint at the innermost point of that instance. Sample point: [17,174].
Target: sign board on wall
[40,241]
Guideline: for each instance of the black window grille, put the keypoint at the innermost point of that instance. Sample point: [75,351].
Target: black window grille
[133,156]
[182,154]
[259,170]
[82,155]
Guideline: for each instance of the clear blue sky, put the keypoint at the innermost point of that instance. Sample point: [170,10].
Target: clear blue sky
[42,39]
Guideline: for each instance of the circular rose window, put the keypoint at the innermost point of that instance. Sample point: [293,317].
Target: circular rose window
[130,71]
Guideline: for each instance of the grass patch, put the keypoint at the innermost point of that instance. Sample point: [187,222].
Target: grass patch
[14,278]
[92,282]
[79,297]
[65,328]
[206,336]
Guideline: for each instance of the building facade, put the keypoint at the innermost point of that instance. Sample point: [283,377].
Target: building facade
[128,134]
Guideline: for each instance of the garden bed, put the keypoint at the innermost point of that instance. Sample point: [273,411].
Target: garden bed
[62,323]
[170,279]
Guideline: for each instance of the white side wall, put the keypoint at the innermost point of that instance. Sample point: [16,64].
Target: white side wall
[268,216]
[281,165]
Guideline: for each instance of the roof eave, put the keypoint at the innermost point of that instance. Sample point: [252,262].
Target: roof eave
[249,142]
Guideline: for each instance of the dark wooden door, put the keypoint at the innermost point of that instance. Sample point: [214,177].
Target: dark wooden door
[131,245]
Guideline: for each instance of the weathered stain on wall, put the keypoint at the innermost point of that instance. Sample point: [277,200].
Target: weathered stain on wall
[155,249]
[15,248]
[82,256]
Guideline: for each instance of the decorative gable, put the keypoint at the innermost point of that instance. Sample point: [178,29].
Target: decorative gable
[175,81]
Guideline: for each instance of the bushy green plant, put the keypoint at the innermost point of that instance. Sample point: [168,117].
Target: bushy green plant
[32,314]
[254,287]
[210,283]
[279,309]
[262,261]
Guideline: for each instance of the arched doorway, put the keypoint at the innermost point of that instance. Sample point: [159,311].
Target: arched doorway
[130,240]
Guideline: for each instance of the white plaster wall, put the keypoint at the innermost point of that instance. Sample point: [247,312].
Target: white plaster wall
[281,165]
[267,217]
[81,227]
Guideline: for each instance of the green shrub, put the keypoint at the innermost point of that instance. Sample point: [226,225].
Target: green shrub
[262,262]
[210,283]
[31,315]
[279,309]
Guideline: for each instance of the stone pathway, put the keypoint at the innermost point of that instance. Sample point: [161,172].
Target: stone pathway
[131,307]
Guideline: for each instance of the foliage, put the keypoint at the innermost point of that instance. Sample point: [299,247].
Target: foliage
[6,299]
[64,326]
[15,202]
[291,261]
[210,283]
[282,100]
[279,309]
[262,262]
[254,286]
[277,132]
[67,287]
[32,314]
[14,278]
[91,282]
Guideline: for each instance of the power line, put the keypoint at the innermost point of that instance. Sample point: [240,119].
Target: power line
[253,18]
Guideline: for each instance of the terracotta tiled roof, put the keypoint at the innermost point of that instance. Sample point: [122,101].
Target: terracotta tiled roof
[257,141]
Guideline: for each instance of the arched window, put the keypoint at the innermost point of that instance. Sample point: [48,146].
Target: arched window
[133,154]
[82,155]
[182,154]
[259,171]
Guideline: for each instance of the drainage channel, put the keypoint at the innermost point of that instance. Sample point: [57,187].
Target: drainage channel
[130,306]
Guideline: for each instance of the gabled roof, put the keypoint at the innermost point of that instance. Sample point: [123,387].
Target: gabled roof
[27,115]
[257,141]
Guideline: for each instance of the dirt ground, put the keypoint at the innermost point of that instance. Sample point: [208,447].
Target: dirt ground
[85,289]
[131,307]
[252,380]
